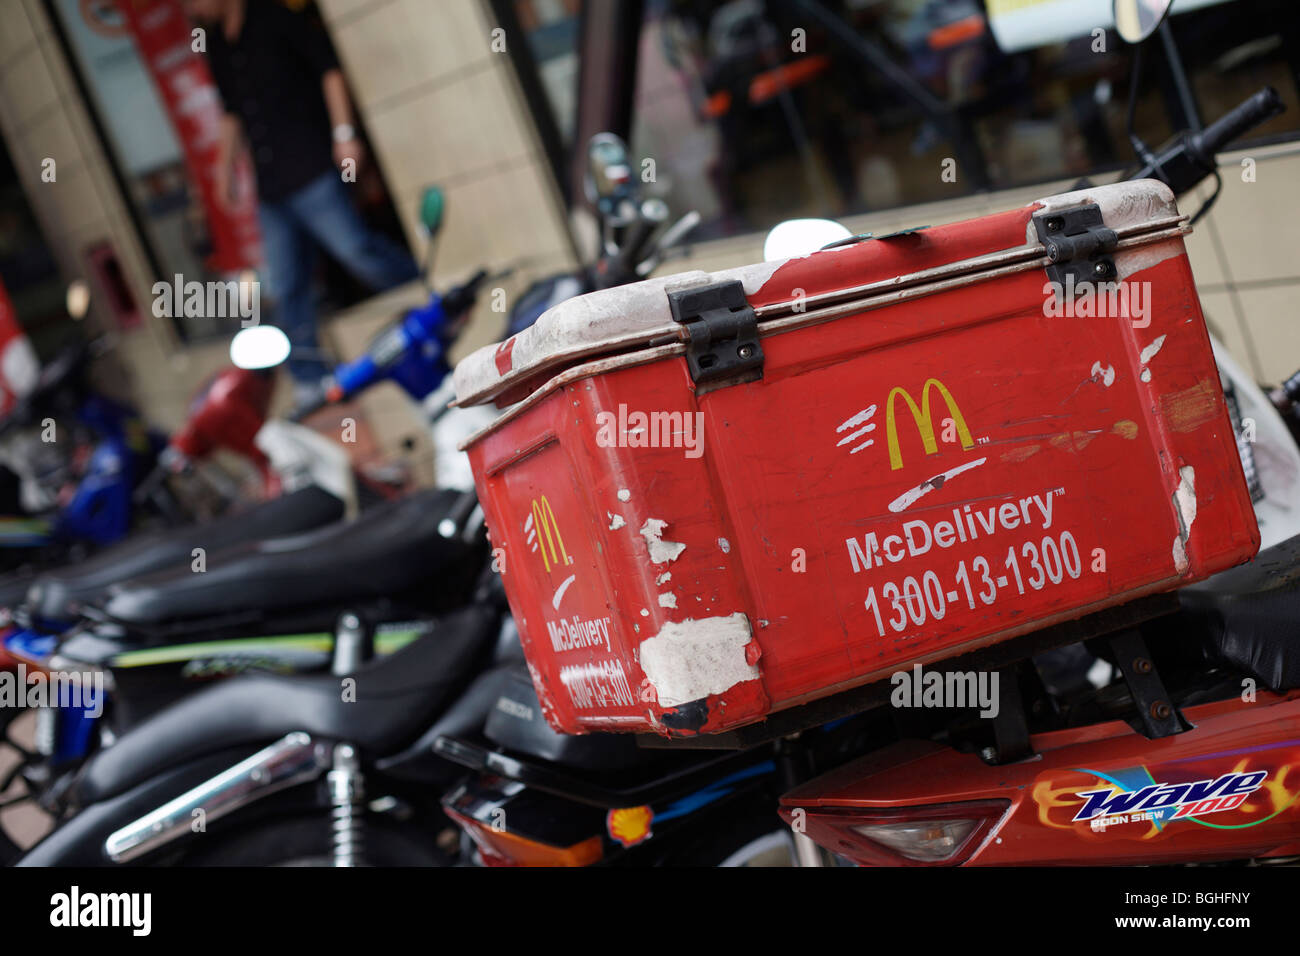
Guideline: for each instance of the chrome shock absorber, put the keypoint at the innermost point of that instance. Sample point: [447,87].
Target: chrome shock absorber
[347,801]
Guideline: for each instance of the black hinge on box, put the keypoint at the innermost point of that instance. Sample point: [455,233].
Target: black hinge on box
[723,344]
[1078,243]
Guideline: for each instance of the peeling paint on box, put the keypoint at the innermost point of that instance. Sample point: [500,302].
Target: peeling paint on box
[1148,354]
[1185,507]
[624,495]
[668,600]
[693,659]
[725,545]
[1103,373]
[615,521]
[661,552]
[664,578]
[1185,499]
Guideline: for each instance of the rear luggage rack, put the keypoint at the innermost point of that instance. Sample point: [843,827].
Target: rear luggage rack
[855,700]
[543,776]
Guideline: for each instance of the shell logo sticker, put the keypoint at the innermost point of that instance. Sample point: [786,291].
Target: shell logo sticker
[629,825]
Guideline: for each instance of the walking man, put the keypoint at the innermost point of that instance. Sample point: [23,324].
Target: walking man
[285,96]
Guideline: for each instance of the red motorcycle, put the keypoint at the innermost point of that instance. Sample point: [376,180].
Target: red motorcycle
[1186,759]
[1174,739]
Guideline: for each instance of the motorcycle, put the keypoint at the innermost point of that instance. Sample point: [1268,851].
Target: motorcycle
[291,731]
[229,413]
[1181,751]
[269,760]
[76,494]
[946,787]
[280,583]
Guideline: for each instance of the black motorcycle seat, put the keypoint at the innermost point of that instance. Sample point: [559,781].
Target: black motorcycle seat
[1252,615]
[59,595]
[395,698]
[394,547]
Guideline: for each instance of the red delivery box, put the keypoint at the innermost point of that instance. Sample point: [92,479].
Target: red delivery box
[715,496]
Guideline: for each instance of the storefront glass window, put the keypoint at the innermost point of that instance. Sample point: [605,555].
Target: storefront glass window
[140,139]
[760,110]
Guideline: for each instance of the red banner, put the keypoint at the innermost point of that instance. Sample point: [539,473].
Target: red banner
[19,368]
[162,33]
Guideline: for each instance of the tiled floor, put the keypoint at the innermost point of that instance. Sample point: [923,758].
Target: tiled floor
[24,824]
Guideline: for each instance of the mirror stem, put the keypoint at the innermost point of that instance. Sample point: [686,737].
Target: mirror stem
[426,273]
[1139,147]
[1181,83]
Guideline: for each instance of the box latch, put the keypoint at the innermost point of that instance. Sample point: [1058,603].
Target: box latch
[723,347]
[1078,244]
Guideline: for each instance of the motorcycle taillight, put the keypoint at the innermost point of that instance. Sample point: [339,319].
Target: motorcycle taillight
[945,834]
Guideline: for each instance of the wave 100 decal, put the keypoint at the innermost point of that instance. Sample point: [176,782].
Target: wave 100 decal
[1143,804]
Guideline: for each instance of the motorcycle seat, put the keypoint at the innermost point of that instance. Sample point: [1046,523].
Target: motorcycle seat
[396,696]
[59,595]
[395,547]
[1251,612]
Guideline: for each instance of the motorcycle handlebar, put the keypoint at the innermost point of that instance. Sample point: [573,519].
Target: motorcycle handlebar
[1264,105]
[1190,157]
[462,297]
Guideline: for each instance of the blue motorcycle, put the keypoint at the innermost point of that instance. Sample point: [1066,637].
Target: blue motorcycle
[78,457]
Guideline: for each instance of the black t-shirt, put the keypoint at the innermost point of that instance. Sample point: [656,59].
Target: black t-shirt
[270,77]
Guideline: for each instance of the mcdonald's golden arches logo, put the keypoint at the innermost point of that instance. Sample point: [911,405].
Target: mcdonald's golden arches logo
[543,534]
[923,419]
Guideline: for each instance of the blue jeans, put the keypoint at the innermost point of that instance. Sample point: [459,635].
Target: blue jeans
[321,212]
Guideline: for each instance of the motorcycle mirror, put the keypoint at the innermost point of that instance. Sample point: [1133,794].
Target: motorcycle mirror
[258,347]
[77,300]
[432,204]
[608,169]
[799,237]
[1135,20]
